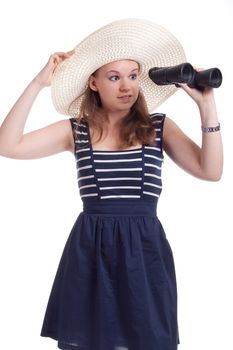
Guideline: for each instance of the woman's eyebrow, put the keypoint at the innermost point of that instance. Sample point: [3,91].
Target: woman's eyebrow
[115,71]
[112,71]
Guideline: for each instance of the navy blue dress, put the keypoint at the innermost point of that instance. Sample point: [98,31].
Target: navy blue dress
[115,287]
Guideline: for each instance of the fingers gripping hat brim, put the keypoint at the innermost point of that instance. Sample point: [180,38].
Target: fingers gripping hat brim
[140,40]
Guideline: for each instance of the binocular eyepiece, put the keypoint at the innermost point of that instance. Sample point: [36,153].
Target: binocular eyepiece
[185,73]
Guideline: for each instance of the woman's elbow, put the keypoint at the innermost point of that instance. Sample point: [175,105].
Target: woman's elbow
[214,177]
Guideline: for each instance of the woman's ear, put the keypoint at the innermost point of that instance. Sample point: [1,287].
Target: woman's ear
[92,83]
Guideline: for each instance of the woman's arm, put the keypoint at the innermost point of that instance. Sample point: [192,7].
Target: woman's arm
[205,162]
[39,143]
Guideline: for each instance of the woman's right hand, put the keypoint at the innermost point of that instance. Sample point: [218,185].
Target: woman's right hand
[44,77]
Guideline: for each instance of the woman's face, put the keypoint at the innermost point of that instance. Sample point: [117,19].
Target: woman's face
[117,85]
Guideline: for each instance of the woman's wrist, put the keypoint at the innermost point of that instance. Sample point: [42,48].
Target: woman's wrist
[208,113]
[209,129]
[37,83]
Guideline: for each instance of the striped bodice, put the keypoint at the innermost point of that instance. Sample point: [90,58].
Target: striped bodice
[133,174]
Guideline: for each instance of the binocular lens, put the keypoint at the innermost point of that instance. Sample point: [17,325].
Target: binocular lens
[187,72]
[215,77]
[207,78]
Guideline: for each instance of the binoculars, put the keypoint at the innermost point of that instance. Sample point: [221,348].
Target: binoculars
[185,73]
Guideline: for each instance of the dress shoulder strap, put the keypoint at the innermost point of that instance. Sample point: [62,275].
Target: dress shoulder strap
[158,122]
[80,133]
[158,118]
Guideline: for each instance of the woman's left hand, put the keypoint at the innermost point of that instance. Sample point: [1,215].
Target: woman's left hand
[205,95]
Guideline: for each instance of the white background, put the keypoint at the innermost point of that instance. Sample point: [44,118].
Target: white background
[39,199]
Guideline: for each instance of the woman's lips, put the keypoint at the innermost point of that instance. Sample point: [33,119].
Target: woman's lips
[125,98]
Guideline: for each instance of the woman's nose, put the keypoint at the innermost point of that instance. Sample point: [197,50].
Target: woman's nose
[124,85]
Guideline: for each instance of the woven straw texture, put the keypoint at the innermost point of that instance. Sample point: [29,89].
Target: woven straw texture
[141,40]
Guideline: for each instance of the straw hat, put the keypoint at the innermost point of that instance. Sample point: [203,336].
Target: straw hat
[141,40]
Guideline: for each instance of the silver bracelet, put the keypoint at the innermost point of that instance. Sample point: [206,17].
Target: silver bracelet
[211,128]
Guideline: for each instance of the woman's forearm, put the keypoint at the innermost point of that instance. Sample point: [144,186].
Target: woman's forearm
[11,130]
[212,148]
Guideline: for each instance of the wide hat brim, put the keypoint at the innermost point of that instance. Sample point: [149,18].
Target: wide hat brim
[141,40]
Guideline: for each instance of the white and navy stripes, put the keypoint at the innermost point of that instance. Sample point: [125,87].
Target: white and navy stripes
[106,175]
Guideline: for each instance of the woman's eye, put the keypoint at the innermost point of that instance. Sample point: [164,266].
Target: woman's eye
[133,76]
[113,78]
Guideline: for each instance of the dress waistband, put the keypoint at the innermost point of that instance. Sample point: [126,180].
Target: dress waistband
[120,207]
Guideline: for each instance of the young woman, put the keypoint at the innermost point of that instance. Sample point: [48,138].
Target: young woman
[115,287]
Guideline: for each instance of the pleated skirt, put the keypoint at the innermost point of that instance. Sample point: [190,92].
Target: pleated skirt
[115,287]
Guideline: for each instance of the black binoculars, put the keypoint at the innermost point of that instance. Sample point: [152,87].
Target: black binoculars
[185,73]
